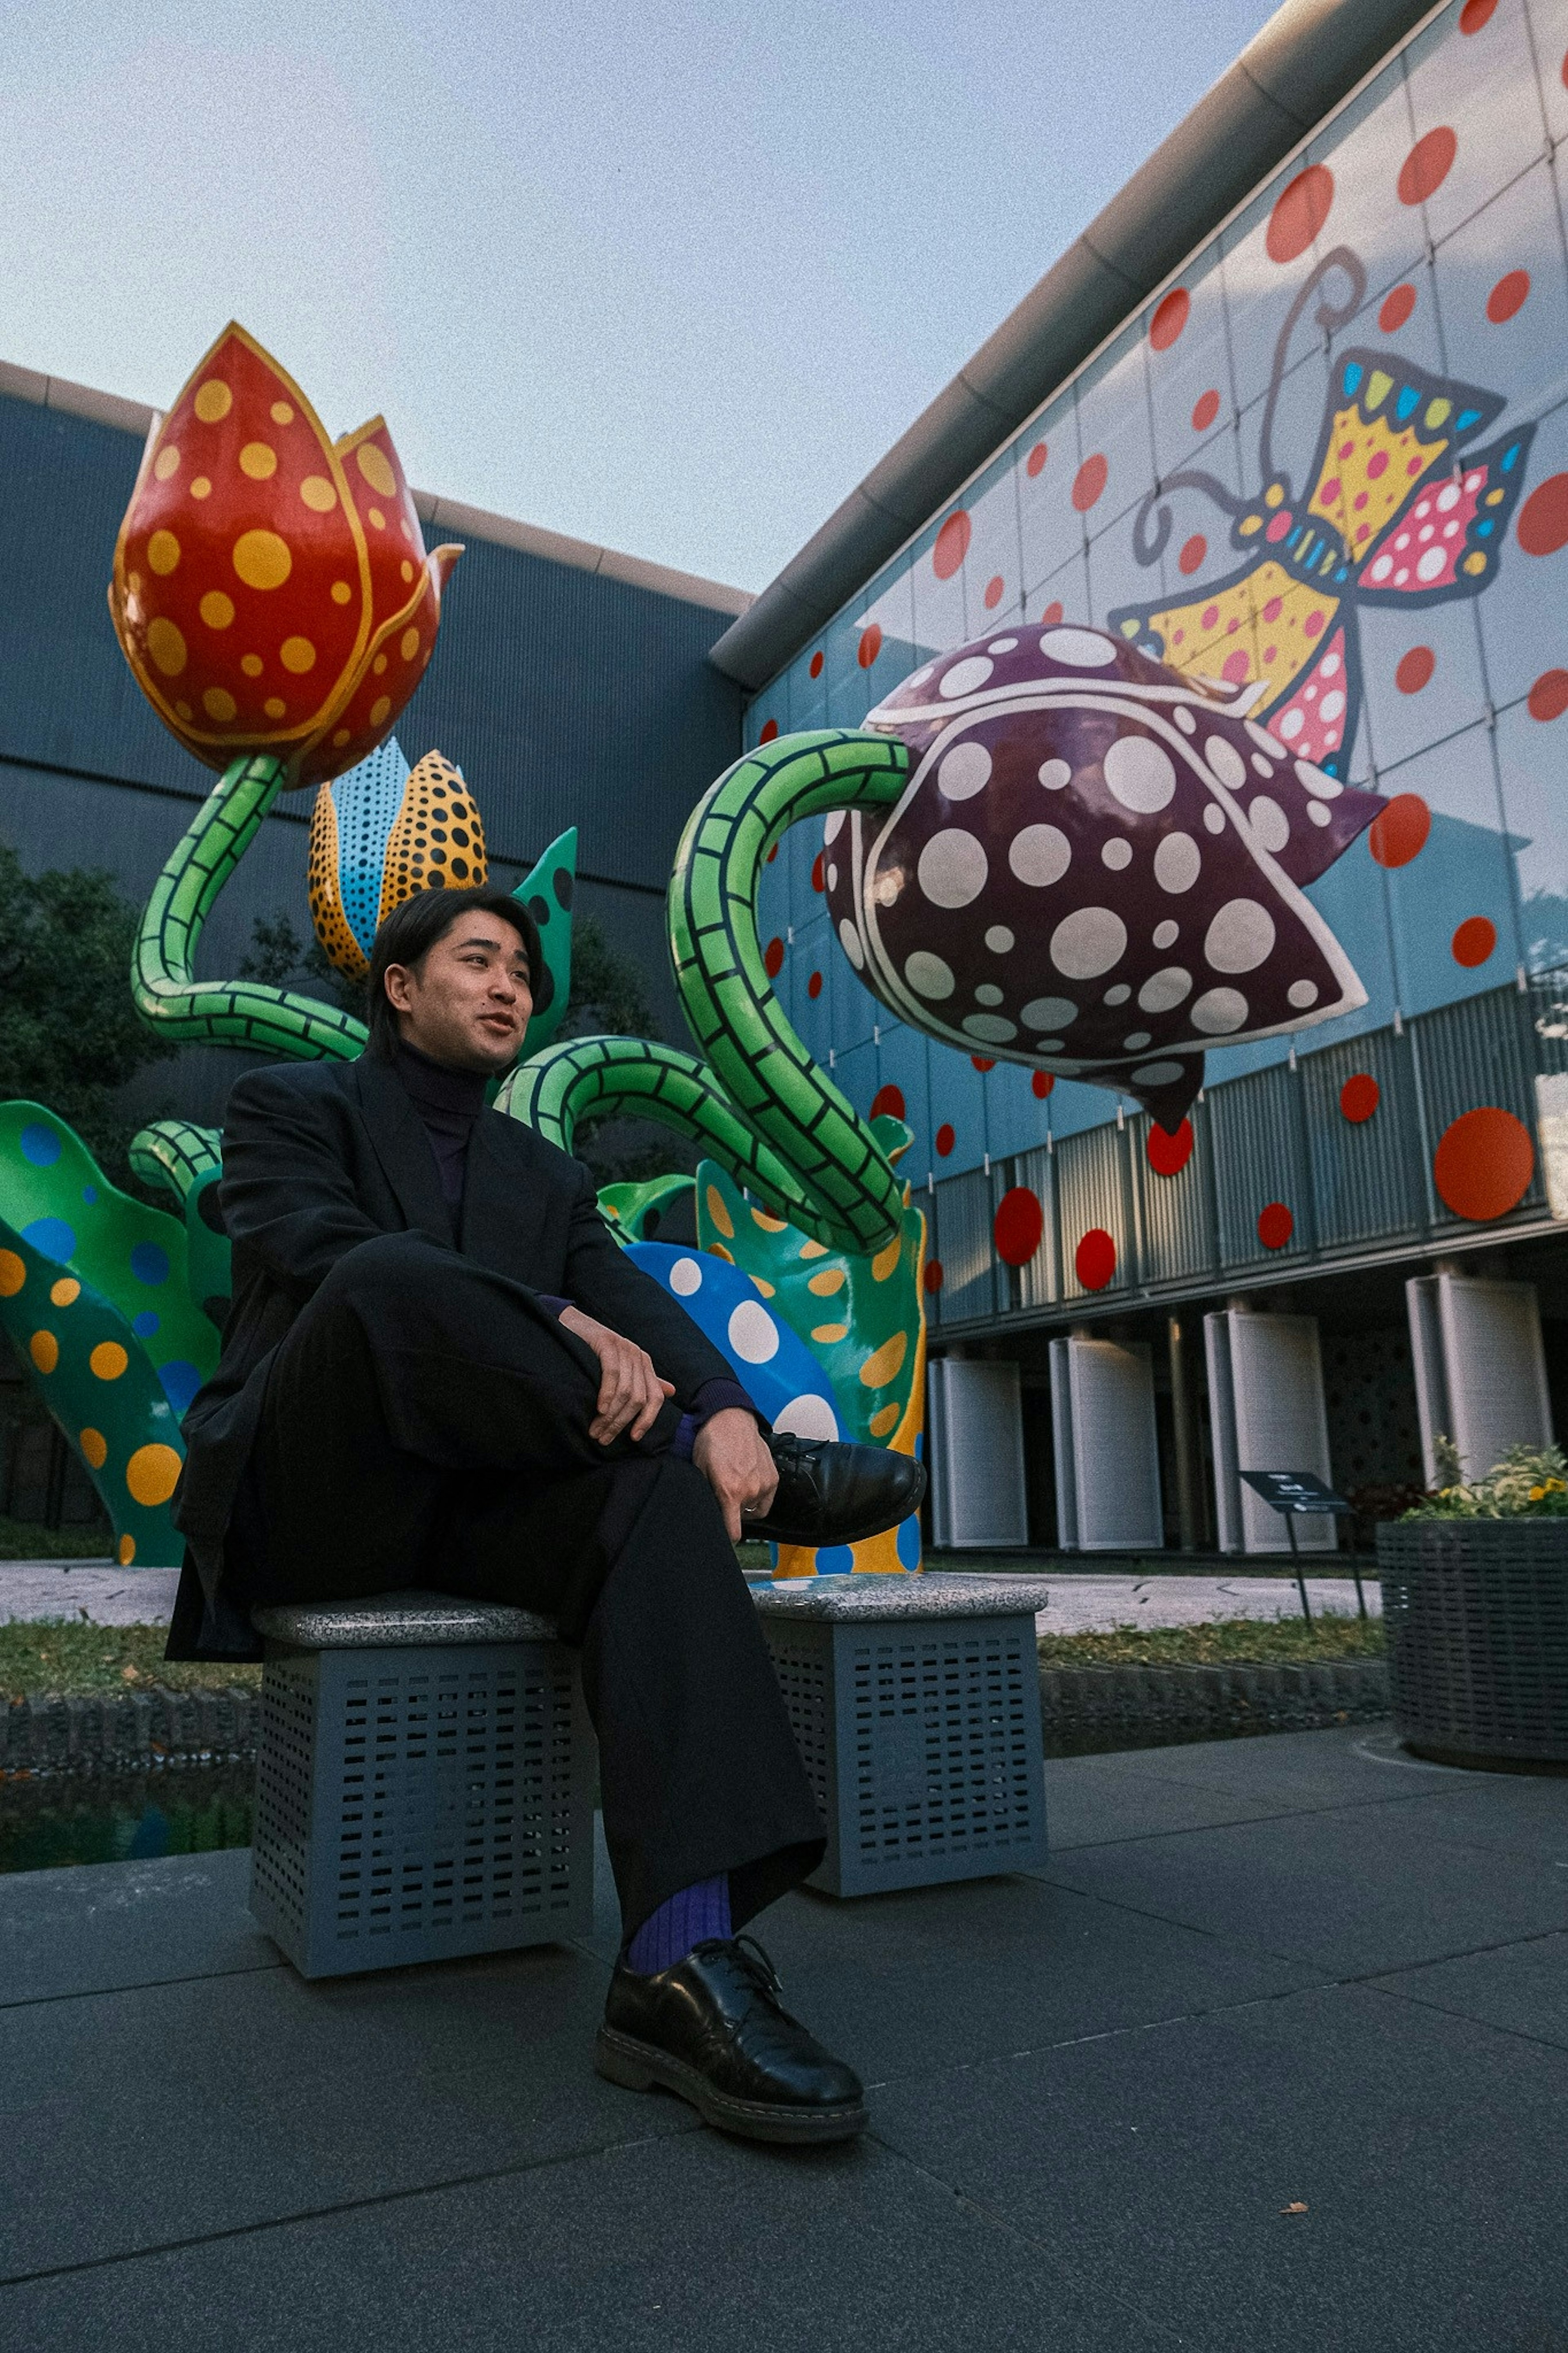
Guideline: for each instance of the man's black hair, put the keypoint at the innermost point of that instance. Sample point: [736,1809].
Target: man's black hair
[411,930]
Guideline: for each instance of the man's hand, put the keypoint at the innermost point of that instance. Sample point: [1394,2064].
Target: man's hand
[630,1391]
[733,1456]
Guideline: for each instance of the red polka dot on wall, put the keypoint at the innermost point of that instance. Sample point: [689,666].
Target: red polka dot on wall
[1018,1226]
[1205,408]
[1542,525]
[994,590]
[1549,696]
[945,1140]
[770,731]
[1399,833]
[1300,212]
[1042,1082]
[1035,463]
[951,545]
[1475,14]
[813,986]
[1089,482]
[1168,1155]
[1474,941]
[773,854]
[1192,553]
[1396,307]
[773,958]
[1414,670]
[888,1101]
[818,874]
[1427,165]
[1509,295]
[1094,1260]
[1483,1163]
[816,664]
[1359,1097]
[1275,1226]
[1170,317]
[1052,614]
[932,1277]
[981,1063]
[870,645]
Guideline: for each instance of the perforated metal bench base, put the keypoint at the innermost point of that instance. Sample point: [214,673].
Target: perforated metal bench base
[920,1736]
[421,1801]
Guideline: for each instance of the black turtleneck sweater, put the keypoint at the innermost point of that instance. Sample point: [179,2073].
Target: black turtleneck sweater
[449,1102]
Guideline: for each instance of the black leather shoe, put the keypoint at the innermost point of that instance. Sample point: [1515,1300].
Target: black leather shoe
[714,2030]
[830,1494]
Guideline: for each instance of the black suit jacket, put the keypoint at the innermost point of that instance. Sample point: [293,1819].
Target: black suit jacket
[318,1156]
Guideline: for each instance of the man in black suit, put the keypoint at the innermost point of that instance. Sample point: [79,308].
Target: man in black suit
[440,1371]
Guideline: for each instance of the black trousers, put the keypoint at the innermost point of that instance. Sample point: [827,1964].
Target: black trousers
[427,1426]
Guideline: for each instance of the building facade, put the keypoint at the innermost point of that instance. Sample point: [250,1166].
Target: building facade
[1326,453]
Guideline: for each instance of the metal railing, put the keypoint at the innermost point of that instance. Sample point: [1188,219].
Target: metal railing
[1278,1137]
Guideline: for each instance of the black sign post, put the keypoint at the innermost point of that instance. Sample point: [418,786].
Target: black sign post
[1289,1492]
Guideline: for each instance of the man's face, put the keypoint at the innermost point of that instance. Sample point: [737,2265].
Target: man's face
[469,1002]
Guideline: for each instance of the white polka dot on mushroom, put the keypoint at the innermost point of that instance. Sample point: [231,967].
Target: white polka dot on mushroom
[1054,775]
[1116,854]
[953,869]
[1302,993]
[1079,649]
[929,975]
[965,677]
[1240,937]
[999,939]
[1140,774]
[1040,855]
[1178,861]
[850,941]
[1088,942]
[1226,761]
[1166,935]
[965,771]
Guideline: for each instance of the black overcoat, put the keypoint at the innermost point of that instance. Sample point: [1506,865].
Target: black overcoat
[318,1156]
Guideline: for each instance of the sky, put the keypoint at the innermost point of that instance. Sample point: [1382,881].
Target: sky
[671,277]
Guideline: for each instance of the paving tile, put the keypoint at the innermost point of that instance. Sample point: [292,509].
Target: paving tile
[170,2111]
[1347,1765]
[699,2245]
[1094,1801]
[1355,1890]
[1507,1813]
[944,1976]
[105,1926]
[1427,2149]
[1522,1989]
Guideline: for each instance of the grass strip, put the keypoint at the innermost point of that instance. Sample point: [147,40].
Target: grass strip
[1221,1642]
[30,1540]
[46,1657]
[43,1657]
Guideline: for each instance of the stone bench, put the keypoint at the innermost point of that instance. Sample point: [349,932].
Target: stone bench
[424,1783]
[916,1703]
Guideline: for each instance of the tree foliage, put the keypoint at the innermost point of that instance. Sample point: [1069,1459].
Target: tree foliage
[69,1034]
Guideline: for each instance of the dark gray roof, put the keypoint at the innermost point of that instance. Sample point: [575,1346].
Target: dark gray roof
[1306,58]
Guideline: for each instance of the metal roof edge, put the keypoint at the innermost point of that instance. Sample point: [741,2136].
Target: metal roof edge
[1310,56]
[449,514]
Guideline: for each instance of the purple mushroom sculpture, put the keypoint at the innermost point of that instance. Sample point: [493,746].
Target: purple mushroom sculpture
[1097,867]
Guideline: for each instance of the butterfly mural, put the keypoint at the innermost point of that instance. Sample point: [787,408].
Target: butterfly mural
[1402,510]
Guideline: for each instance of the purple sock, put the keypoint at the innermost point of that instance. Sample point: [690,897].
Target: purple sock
[667,1935]
[685,1439]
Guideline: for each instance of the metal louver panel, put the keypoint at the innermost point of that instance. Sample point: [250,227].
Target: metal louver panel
[1480,1370]
[977,1454]
[1480,1050]
[1090,1193]
[1177,1212]
[1256,1126]
[1108,1472]
[1367,1178]
[964,1246]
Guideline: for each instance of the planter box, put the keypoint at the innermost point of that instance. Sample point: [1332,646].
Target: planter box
[1476,1616]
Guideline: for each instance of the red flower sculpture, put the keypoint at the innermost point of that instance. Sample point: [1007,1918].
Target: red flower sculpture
[271,590]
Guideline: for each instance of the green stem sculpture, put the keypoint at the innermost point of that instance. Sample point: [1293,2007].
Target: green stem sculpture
[230,1012]
[759,1104]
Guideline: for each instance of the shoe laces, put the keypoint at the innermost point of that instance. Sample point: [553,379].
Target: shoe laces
[754,1962]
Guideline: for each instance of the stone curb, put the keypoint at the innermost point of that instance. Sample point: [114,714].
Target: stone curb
[1087,1709]
[129,1733]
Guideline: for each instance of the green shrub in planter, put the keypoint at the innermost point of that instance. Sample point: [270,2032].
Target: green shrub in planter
[1475,1612]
